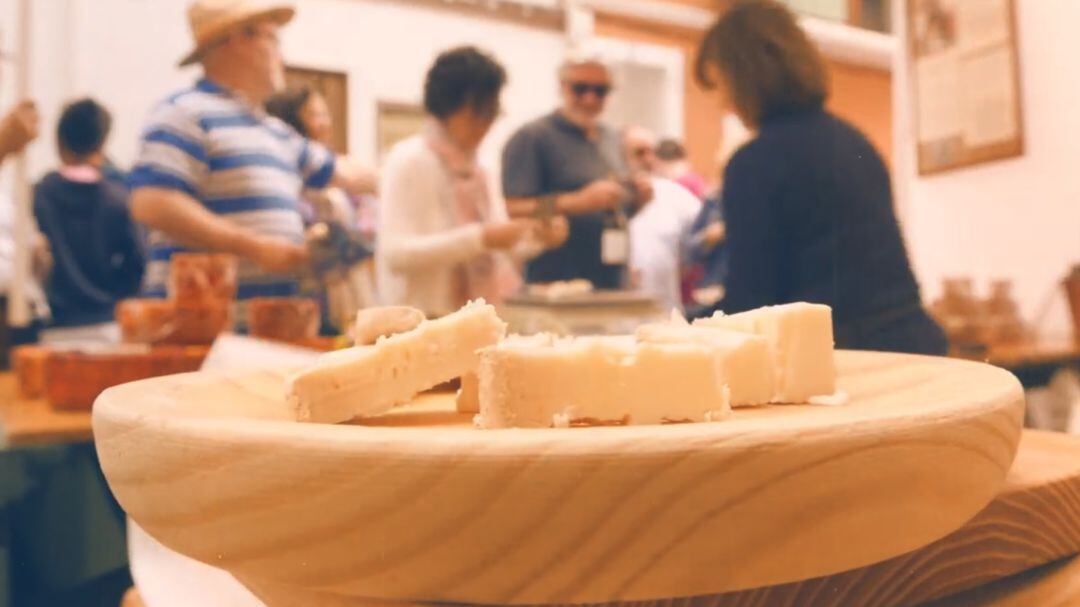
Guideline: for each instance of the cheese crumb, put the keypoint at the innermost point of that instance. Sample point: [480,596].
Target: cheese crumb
[837,399]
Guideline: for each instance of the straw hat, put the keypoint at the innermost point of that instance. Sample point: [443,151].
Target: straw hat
[212,20]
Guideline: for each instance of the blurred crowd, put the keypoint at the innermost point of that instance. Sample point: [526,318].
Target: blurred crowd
[798,205]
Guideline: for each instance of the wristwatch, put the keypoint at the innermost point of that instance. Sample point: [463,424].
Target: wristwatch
[546,208]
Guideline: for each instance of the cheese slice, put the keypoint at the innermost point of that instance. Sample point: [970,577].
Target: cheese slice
[543,381]
[744,360]
[369,380]
[800,340]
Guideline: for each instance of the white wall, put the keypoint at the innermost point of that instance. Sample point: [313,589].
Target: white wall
[649,85]
[383,48]
[386,48]
[49,81]
[1019,218]
[124,53]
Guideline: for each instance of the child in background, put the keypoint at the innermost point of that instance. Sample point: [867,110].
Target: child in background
[84,215]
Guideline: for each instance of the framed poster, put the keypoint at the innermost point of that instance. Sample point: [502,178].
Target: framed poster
[334,88]
[397,121]
[966,82]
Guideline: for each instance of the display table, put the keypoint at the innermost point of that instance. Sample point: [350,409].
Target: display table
[61,533]
[26,422]
[1035,361]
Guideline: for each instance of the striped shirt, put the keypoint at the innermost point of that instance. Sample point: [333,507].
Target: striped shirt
[239,163]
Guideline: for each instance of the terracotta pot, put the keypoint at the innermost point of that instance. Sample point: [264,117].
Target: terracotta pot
[161,321]
[74,379]
[290,319]
[29,366]
[199,278]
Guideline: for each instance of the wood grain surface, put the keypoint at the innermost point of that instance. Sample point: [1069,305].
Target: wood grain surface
[1035,520]
[1053,585]
[33,422]
[420,506]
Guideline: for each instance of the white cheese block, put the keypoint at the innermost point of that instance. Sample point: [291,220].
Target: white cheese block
[373,323]
[369,380]
[801,343]
[744,360]
[561,288]
[545,382]
[468,395]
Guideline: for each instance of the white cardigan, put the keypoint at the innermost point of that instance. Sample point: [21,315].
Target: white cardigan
[420,242]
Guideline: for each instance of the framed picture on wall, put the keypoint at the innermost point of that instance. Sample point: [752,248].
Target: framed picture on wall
[397,121]
[334,88]
[966,82]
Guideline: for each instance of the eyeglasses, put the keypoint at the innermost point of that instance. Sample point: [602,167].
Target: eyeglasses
[580,89]
[641,152]
[263,33]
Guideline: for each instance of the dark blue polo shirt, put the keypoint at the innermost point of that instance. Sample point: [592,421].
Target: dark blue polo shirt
[552,155]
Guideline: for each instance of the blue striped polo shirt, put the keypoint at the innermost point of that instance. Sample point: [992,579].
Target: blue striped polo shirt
[237,161]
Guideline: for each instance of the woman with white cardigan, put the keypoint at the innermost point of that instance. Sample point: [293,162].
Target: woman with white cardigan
[443,238]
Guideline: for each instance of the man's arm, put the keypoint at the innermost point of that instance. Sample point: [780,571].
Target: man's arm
[18,127]
[526,191]
[599,195]
[354,176]
[190,224]
[319,167]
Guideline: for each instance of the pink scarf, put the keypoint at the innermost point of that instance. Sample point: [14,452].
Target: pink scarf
[486,275]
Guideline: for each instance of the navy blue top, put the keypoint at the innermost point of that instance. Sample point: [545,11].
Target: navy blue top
[552,155]
[809,213]
[97,254]
[713,259]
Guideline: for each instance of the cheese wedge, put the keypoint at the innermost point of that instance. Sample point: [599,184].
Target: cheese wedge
[800,340]
[369,380]
[744,360]
[542,381]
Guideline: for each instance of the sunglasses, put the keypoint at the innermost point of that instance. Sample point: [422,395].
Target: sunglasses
[580,89]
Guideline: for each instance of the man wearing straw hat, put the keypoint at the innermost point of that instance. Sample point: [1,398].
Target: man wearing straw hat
[215,172]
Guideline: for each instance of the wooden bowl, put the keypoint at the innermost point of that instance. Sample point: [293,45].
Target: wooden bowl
[420,506]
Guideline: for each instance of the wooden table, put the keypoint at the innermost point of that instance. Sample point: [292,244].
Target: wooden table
[59,527]
[33,422]
[1041,351]
[1033,361]
[1056,584]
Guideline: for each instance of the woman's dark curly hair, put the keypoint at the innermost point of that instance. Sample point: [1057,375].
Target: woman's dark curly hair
[288,105]
[460,77]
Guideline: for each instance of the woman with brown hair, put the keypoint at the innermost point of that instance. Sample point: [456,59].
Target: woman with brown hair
[808,204]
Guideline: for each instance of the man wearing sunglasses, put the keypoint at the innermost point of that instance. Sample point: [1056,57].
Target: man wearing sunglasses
[569,163]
